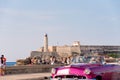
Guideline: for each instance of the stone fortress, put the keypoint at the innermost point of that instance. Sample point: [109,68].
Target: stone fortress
[74,49]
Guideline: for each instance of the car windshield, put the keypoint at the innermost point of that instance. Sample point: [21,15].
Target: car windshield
[88,59]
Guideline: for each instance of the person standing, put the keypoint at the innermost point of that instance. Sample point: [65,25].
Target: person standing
[0,67]
[3,64]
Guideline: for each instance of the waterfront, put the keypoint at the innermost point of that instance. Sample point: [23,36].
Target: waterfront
[10,63]
[28,72]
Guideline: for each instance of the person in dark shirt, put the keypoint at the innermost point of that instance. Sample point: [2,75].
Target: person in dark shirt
[3,64]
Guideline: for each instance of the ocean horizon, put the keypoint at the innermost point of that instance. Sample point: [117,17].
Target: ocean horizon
[10,63]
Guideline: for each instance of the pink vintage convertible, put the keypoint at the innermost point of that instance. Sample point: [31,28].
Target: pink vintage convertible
[87,71]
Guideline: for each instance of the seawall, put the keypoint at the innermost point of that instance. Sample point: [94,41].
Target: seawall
[29,69]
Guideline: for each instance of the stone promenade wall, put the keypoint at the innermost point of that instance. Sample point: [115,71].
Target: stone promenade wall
[29,69]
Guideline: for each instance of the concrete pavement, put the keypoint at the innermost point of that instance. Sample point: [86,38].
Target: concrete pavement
[32,76]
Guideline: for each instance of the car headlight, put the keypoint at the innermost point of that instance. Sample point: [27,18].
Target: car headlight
[53,70]
[87,71]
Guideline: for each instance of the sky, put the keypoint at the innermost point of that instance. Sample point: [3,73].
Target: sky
[23,24]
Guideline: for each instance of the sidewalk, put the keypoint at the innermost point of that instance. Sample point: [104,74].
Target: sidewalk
[33,76]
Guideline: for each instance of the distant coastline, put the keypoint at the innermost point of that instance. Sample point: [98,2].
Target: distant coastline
[10,63]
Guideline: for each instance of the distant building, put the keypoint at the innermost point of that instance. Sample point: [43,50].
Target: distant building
[74,49]
[76,43]
[101,49]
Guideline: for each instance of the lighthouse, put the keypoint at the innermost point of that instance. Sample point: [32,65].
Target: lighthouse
[45,43]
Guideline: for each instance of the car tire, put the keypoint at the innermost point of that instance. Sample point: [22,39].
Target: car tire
[99,78]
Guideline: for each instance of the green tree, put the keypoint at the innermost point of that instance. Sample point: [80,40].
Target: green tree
[114,55]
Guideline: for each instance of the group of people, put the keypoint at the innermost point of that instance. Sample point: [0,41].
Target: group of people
[2,65]
[38,60]
[65,60]
[51,60]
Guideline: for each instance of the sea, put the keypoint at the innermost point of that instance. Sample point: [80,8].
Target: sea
[10,63]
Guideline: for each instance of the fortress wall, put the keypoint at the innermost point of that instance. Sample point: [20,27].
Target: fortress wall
[35,53]
[43,54]
[64,51]
[76,49]
[99,49]
[52,48]
[83,47]
[90,47]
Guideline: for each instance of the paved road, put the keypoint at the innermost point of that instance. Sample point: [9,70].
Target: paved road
[33,76]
